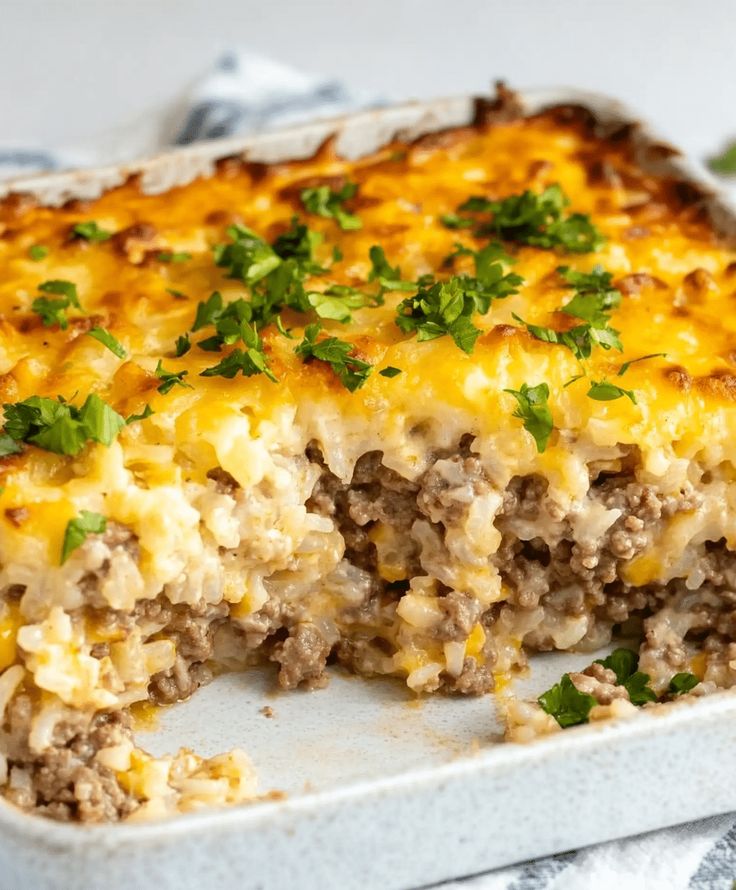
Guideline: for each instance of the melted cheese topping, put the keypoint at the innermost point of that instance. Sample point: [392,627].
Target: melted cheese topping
[685,401]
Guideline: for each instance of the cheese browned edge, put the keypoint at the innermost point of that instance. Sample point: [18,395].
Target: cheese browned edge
[410,527]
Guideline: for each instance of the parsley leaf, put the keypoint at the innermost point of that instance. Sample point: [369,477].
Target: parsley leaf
[173,256]
[183,345]
[336,302]
[38,252]
[453,221]
[624,663]
[248,258]
[60,427]
[351,371]
[725,163]
[87,523]
[323,201]
[534,411]
[594,295]
[605,391]
[389,277]
[90,231]
[534,219]
[134,418]
[252,360]
[8,445]
[170,379]
[390,371]
[682,683]
[299,243]
[54,311]
[107,339]
[579,340]
[176,294]
[566,704]
[626,365]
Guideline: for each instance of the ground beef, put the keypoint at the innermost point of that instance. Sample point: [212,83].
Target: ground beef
[461,613]
[475,679]
[303,657]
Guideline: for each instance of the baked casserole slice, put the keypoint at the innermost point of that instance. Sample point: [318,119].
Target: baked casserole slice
[419,414]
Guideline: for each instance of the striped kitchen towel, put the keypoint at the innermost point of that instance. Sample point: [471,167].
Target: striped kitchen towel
[245,93]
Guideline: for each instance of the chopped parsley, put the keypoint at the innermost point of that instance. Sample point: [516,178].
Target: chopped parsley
[54,311]
[390,372]
[134,418]
[248,257]
[323,201]
[337,301]
[338,354]
[8,445]
[605,391]
[299,243]
[56,425]
[626,365]
[579,340]
[38,252]
[624,663]
[173,256]
[389,277]
[534,411]
[90,231]
[725,163]
[170,379]
[87,523]
[446,307]
[682,683]
[566,703]
[249,361]
[530,218]
[176,294]
[183,345]
[107,339]
[594,298]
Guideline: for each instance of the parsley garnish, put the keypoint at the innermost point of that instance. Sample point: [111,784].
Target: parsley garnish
[566,703]
[594,296]
[534,219]
[134,418]
[8,445]
[336,301]
[389,277]
[453,221]
[390,371]
[323,201]
[624,663]
[298,243]
[252,360]
[579,340]
[176,294]
[682,683]
[87,523]
[352,372]
[440,308]
[54,311]
[60,427]
[107,339]
[248,258]
[725,163]
[626,365]
[534,411]
[605,391]
[170,379]
[90,231]
[38,252]
[183,345]
[173,256]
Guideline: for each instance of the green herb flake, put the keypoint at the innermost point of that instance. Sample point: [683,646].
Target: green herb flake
[725,163]
[337,301]
[54,311]
[38,252]
[626,365]
[605,391]
[183,345]
[90,231]
[249,361]
[176,294]
[534,411]
[566,703]
[170,379]
[389,277]
[8,446]
[173,256]
[538,220]
[390,372]
[594,297]
[338,354]
[248,257]
[682,683]
[107,339]
[56,425]
[624,663]
[134,418]
[323,201]
[87,523]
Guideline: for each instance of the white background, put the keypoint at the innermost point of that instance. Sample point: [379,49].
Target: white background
[72,68]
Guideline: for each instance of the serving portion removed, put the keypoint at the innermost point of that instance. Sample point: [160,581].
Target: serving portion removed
[419,413]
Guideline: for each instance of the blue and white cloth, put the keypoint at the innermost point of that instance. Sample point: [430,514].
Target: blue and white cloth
[245,93]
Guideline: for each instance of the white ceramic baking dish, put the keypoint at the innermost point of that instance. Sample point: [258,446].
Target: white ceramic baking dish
[384,792]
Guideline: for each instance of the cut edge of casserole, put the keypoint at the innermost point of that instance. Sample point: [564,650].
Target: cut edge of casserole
[418,413]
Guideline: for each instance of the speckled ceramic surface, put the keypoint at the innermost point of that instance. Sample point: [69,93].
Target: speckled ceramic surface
[382,791]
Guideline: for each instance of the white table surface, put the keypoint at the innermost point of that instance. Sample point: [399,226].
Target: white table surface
[72,68]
